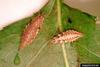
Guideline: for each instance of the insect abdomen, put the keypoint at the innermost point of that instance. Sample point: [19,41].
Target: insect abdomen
[67,37]
[31,31]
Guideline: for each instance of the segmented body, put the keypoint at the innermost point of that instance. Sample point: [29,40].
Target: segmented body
[67,37]
[31,31]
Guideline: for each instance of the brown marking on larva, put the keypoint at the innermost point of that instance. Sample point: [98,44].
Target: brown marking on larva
[68,37]
[31,31]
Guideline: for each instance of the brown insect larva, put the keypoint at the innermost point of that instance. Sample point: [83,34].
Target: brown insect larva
[31,31]
[67,37]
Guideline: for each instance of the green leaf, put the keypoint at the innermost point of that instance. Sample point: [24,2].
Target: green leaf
[42,53]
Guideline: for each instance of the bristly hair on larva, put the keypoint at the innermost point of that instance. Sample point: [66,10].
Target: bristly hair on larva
[67,37]
[31,31]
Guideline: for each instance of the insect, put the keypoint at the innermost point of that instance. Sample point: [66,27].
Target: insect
[31,31]
[67,37]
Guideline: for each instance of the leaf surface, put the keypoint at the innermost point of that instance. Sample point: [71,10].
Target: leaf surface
[42,53]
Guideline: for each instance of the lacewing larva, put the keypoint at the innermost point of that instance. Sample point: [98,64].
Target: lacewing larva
[31,31]
[67,37]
